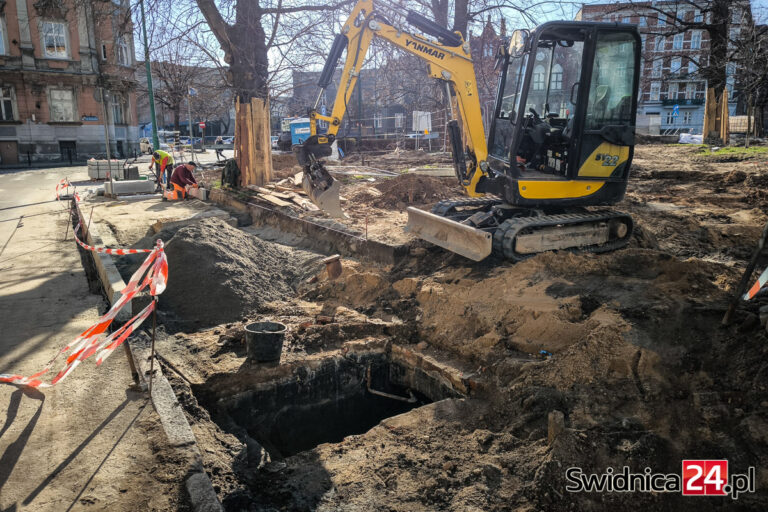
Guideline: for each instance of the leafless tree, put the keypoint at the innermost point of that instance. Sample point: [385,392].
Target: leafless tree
[750,64]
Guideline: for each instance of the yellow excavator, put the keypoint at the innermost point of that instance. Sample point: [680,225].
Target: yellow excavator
[559,145]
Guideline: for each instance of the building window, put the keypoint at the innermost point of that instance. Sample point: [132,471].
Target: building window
[642,42]
[677,42]
[643,22]
[6,104]
[621,70]
[736,16]
[670,117]
[734,34]
[656,70]
[697,17]
[556,80]
[661,20]
[2,35]
[538,78]
[62,105]
[626,19]
[655,91]
[687,117]
[690,91]
[692,67]
[399,118]
[103,52]
[377,120]
[672,93]
[659,46]
[123,51]
[695,40]
[55,40]
[118,111]
[676,65]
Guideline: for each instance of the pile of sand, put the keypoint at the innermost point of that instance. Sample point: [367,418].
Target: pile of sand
[413,189]
[219,274]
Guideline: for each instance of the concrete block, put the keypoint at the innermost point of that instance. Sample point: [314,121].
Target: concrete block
[201,494]
[117,188]
[555,425]
[172,417]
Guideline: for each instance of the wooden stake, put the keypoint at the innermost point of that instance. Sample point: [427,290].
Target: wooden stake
[88,229]
[69,221]
[129,355]
[152,355]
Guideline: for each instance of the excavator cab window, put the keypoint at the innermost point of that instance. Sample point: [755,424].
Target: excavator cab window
[610,90]
[509,106]
[540,112]
[550,102]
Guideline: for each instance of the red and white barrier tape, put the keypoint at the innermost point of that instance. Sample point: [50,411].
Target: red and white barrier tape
[153,273]
[64,183]
[761,281]
[107,250]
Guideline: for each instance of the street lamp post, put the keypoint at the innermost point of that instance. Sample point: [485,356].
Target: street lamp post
[155,140]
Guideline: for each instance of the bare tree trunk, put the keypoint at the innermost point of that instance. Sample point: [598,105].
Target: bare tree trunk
[176,119]
[461,17]
[440,12]
[749,120]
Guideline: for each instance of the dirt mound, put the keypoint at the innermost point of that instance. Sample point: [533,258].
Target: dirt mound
[219,274]
[412,189]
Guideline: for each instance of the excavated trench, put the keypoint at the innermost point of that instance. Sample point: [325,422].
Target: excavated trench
[320,402]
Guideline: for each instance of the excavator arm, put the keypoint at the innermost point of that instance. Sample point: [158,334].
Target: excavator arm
[449,60]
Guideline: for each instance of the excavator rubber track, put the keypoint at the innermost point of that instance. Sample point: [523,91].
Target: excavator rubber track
[517,233]
[617,227]
[448,207]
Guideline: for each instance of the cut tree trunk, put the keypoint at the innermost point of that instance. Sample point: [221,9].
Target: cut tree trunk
[253,150]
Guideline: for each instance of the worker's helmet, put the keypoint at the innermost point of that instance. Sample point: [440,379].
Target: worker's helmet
[156,155]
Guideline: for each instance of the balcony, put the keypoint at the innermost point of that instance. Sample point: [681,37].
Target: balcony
[682,102]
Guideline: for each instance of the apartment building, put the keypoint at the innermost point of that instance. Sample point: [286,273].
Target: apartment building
[672,90]
[66,71]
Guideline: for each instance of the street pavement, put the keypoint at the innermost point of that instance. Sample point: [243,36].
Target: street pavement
[83,444]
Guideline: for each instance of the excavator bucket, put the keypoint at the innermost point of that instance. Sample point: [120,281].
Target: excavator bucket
[324,194]
[470,242]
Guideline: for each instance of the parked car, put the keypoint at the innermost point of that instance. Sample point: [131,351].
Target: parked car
[145,146]
[273,139]
[228,140]
[284,141]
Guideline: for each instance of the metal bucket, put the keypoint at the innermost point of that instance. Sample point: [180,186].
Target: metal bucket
[264,340]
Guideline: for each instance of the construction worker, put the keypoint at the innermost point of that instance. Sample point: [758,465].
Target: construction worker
[219,151]
[182,180]
[163,163]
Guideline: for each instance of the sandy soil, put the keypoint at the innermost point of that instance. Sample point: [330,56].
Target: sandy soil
[626,345]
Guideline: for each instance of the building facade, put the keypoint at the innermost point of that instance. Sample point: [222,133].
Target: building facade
[63,77]
[672,91]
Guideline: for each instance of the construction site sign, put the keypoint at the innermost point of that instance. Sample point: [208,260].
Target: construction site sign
[422,121]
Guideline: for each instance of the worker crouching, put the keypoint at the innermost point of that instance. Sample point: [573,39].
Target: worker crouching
[182,181]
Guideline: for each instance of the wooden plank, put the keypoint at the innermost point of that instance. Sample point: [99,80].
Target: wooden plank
[274,200]
[305,203]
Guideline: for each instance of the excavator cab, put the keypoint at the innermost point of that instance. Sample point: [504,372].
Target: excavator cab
[565,112]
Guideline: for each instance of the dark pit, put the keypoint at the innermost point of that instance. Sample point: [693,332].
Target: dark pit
[322,402]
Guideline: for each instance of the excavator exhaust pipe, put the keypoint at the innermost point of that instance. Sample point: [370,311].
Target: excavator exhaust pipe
[462,239]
